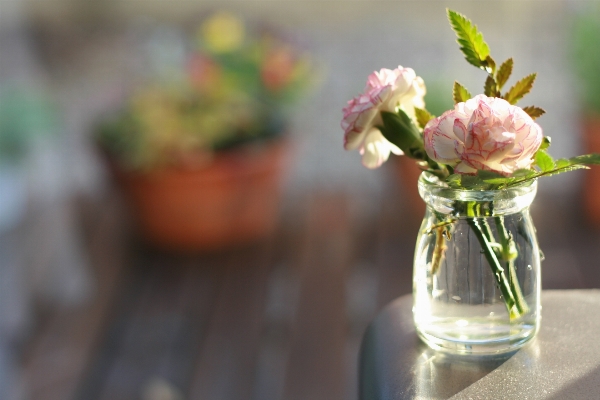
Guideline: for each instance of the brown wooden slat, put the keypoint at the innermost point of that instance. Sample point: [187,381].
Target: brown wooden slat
[57,357]
[316,362]
[157,326]
[225,368]
[281,302]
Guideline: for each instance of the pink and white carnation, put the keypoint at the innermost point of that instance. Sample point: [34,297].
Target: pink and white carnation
[386,90]
[483,133]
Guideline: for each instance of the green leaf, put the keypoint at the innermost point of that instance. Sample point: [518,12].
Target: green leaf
[546,142]
[423,116]
[561,166]
[400,130]
[485,175]
[587,159]
[520,89]
[484,180]
[454,181]
[504,73]
[544,161]
[494,178]
[523,173]
[565,169]
[562,162]
[534,112]
[470,39]
[499,181]
[490,88]
[459,93]
[473,182]
[490,65]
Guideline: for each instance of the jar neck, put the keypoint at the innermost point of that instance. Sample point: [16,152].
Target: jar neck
[474,203]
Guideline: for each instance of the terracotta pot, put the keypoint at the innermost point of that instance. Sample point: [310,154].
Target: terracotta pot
[591,185]
[233,200]
[407,174]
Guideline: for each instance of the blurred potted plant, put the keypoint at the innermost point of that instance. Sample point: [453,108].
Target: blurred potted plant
[200,155]
[585,38]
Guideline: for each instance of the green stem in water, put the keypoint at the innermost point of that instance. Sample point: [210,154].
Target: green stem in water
[477,224]
[509,254]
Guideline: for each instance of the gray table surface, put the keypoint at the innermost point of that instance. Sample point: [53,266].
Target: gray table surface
[562,362]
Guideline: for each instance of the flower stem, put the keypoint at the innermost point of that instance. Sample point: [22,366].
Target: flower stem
[509,254]
[438,250]
[482,232]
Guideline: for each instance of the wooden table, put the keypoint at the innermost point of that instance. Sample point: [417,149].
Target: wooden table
[281,319]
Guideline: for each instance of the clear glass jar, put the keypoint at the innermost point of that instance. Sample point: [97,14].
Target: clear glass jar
[476,281]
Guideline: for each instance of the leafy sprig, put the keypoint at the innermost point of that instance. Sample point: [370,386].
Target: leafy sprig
[475,49]
[459,93]
[520,89]
[544,165]
[477,53]
[534,112]
[423,117]
[504,72]
[399,129]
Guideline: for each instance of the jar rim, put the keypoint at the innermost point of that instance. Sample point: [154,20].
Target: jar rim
[444,199]
[429,181]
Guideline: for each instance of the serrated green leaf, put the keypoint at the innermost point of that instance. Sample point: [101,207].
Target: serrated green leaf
[474,48]
[593,158]
[561,166]
[534,112]
[562,162]
[485,175]
[454,181]
[566,169]
[523,173]
[459,93]
[453,177]
[494,178]
[546,142]
[490,88]
[490,65]
[399,129]
[499,181]
[520,89]
[455,185]
[423,116]
[473,182]
[504,73]
[544,161]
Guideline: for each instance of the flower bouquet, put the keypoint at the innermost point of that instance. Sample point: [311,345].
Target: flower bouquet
[477,262]
[199,147]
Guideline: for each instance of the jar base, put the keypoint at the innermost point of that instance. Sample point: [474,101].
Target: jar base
[478,346]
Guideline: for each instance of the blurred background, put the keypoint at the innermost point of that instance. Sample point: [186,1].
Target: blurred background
[119,278]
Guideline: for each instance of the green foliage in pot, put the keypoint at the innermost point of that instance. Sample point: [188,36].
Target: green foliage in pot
[232,87]
[585,45]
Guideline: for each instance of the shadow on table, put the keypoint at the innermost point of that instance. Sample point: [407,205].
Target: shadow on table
[580,388]
[395,364]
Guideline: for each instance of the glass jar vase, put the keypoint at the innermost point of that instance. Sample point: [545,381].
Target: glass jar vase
[476,281]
